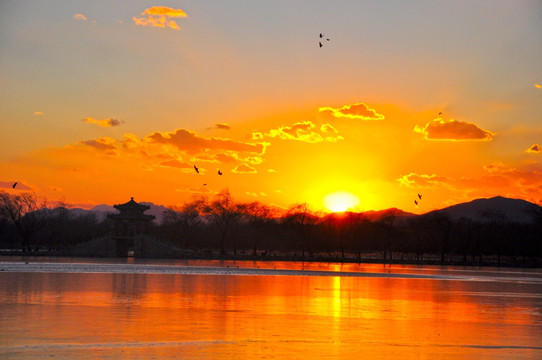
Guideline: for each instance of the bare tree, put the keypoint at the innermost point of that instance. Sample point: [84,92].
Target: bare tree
[23,210]
[256,215]
[302,221]
[224,214]
[186,219]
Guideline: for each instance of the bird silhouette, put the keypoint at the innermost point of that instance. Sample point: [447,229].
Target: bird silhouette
[415,202]
[219,172]
[327,39]
[320,44]
[14,184]
[321,35]
[204,184]
[440,113]
[420,196]
[196,168]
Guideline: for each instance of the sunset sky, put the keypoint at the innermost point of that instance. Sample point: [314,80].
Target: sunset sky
[104,100]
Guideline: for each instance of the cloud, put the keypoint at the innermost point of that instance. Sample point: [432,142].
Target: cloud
[535,148]
[80,17]
[190,142]
[452,130]
[244,169]
[105,144]
[255,194]
[423,180]
[496,179]
[105,122]
[176,164]
[222,126]
[302,131]
[358,111]
[38,113]
[538,86]
[160,16]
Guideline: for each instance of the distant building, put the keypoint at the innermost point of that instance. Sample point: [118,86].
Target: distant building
[130,224]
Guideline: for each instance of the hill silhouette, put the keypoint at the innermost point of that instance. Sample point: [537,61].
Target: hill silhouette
[513,210]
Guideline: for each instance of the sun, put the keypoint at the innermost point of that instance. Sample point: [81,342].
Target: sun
[340,201]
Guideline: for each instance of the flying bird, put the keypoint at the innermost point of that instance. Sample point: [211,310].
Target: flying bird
[321,35]
[420,196]
[440,113]
[196,168]
[415,202]
[204,184]
[15,184]
[219,172]
[320,44]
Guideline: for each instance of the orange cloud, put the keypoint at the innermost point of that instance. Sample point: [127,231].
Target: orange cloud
[423,180]
[535,148]
[160,16]
[452,130]
[190,142]
[105,122]
[244,169]
[302,131]
[105,144]
[358,111]
[538,86]
[80,17]
[496,179]
[38,113]
[176,164]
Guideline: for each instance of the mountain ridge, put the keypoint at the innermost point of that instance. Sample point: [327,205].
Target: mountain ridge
[481,210]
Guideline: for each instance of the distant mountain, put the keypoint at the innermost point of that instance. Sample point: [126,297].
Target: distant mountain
[380,214]
[514,210]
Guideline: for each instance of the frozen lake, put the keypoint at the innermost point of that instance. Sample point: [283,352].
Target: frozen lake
[81,309]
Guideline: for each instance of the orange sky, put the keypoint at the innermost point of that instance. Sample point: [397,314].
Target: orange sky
[98,105]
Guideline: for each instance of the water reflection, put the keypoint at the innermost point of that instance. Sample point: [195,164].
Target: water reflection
[108,316]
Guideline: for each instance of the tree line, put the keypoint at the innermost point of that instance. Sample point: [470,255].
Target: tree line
[222,227]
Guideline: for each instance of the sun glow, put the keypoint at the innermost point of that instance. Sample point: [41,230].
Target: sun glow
[340,201]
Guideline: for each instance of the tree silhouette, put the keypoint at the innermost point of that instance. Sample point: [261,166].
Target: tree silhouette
[255,215]
[185,220]
[25,211]
[223,213]
[302,221]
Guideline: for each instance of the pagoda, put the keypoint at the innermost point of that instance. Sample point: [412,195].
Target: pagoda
[130,224]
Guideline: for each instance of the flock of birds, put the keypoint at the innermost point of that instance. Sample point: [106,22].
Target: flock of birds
[322,39]
[197,171]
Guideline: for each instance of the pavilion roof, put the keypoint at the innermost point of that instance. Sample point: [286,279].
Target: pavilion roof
[131,206]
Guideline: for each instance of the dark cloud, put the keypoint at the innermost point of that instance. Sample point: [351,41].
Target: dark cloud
[535,148]
[105,122]
[222,126]
[103,144]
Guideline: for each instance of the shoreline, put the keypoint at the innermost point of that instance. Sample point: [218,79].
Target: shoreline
[486,262]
